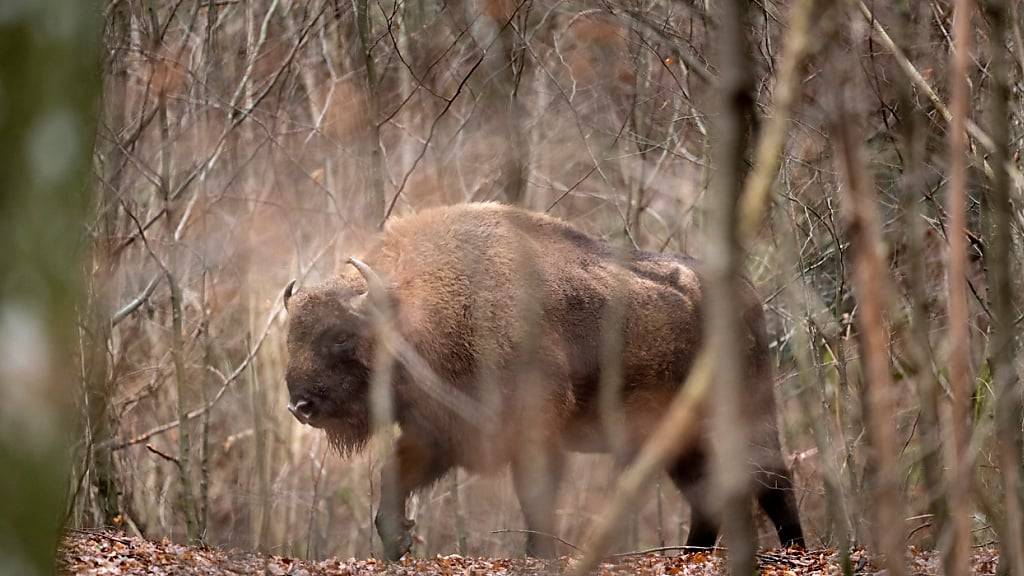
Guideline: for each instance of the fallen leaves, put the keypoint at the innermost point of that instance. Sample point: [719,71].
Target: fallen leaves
[99,553]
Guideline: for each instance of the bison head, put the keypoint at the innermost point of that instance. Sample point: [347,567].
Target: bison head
[330,354]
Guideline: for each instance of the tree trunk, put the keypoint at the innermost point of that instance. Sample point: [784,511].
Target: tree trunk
[872,286]
[374,201]
[498,82]
[725,324]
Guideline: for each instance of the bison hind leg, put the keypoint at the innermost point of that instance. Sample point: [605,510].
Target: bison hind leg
[690,475]
[773,487]
[775,494]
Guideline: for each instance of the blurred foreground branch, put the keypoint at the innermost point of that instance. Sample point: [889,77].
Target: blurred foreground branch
[49,79]
[1000,267]
[768,155]
[961,381]
[674,434]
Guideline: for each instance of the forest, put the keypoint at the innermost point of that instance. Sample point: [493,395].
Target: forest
[172,165]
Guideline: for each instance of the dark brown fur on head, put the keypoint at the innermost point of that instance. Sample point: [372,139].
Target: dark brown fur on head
[329,350]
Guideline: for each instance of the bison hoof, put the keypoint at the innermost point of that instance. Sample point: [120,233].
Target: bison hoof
[396,535]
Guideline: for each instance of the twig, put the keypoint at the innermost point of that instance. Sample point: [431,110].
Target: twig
[163,455]
[213,402]
[235,117]
[463,405]
[539,533]
[698,68]
[915,76]
[134,304]
[669,549]
[102,534]
[674,433]
[571,188]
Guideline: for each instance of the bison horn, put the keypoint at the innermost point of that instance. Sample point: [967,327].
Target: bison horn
[288,291]
[375,288]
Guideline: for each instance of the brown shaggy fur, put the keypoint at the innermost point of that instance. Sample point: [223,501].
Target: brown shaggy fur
[509,307]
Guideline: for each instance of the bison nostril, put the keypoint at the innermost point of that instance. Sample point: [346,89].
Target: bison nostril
[302,410]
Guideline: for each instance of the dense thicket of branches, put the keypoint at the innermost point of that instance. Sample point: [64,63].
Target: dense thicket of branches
[246,143]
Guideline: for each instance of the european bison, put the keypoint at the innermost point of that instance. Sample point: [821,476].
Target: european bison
[510,313]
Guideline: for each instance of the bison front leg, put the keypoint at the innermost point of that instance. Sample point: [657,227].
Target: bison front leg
[536,477]
[415,463]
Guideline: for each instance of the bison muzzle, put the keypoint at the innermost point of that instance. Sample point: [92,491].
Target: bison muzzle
[508,337]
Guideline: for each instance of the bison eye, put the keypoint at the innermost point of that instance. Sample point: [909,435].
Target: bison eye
[339,347]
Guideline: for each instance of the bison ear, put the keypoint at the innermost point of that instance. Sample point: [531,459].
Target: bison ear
[288,291]
[360,305]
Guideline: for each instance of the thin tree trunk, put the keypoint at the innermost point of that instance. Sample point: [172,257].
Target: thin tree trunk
[458,511]
[660,504]
[98,381]
[958,332]
[99,390]
[203,505]
[811,392]
[999,266]
[873,290]
[914,190]
[261,428]
[170,269]
[374,201]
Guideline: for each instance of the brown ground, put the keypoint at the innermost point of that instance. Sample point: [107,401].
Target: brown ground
[114,554]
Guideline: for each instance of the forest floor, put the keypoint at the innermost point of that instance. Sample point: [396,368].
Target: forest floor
[114,554]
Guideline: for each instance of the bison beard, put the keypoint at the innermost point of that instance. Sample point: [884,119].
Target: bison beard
[452,282]
[348,436]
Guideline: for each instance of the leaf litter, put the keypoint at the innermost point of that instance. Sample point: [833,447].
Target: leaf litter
[108,553]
